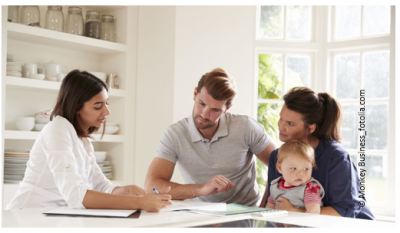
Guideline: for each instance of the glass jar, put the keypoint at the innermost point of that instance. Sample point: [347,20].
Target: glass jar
[74,22]
[54,18]
[12,14]
[92,24]
[107,29]
[30,15]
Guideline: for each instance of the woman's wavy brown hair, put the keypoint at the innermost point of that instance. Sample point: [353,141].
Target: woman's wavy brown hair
[77,88]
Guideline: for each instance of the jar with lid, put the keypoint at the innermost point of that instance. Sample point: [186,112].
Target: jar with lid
[12,14]
[30,15]
[92,24]
[107,29]
[74,22]
[54,18]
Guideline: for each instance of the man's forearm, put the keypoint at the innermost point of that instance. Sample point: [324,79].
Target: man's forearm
[178,191]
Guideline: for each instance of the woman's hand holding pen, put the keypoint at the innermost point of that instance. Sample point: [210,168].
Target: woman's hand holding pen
[154,202]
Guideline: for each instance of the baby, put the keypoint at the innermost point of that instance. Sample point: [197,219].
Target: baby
[295,163]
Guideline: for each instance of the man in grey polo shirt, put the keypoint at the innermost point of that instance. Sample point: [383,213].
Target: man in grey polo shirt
[213,148]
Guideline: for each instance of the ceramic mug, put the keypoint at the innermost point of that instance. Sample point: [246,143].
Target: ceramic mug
[30,68]
[112,81]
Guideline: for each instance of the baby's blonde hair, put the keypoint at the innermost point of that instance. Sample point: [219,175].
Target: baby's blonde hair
[299,148]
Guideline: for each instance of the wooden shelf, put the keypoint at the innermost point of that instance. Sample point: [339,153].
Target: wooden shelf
[43,85]
[32,135]
[62,40]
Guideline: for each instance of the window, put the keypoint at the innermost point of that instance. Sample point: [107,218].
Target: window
[280,69]
[362,82]
[285,22]
[360,21]
[351,58]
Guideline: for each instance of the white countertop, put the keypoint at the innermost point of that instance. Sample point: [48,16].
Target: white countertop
[34,218]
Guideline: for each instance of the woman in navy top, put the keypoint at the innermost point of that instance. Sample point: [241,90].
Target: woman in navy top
[315,119]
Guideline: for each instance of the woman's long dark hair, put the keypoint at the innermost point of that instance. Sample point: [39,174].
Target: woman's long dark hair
[320,109]
[76,89]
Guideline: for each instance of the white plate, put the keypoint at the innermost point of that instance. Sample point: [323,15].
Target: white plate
[14,172]
[15,161]
[14,68]
[15,63]
[106,169]
[16,154]
[11,181]
[13,165]
[13,158]
[13,177]
[14,74]
[15,151]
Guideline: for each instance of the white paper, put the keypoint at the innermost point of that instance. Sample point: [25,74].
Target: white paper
[91,212]
[195,205]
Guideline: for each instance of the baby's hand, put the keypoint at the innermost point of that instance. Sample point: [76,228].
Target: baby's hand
[284,204]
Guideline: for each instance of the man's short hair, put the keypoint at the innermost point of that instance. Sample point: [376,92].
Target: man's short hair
[219,84]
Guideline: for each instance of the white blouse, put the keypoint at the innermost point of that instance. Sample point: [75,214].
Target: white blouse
[61,168]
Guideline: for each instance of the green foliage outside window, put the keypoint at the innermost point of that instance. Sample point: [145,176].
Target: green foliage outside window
[269,87]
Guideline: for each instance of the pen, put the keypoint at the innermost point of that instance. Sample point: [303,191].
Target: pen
[155,190]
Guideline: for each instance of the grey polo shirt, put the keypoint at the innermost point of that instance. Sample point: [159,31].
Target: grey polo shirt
[229,153]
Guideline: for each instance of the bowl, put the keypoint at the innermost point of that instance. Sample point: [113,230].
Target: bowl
[40,119]
[100,155]
[38,127]
[111,128]
[25,123]
[37,76]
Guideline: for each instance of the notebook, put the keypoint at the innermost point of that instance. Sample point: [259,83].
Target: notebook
[90,212]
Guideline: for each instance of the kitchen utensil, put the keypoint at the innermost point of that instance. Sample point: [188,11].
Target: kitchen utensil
[25,123]
[53,70]
[113,81]
[30,68]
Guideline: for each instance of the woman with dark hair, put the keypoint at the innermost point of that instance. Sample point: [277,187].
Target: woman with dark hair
[315,119]
[62,168]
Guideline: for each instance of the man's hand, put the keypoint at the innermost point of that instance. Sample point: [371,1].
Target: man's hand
[217,184]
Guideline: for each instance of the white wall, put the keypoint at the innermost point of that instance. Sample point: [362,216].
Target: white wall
[208,37]
[155,83]
[177,45]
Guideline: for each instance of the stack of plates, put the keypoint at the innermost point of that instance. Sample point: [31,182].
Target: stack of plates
[106,168]
[15,165]
[14,68]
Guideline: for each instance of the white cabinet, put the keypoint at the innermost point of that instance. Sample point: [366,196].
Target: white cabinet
[24,97]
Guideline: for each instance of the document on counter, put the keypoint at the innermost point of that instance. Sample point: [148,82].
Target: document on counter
[195,205]
[64,210]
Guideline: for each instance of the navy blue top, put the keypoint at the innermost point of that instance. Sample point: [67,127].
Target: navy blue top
[337,174]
